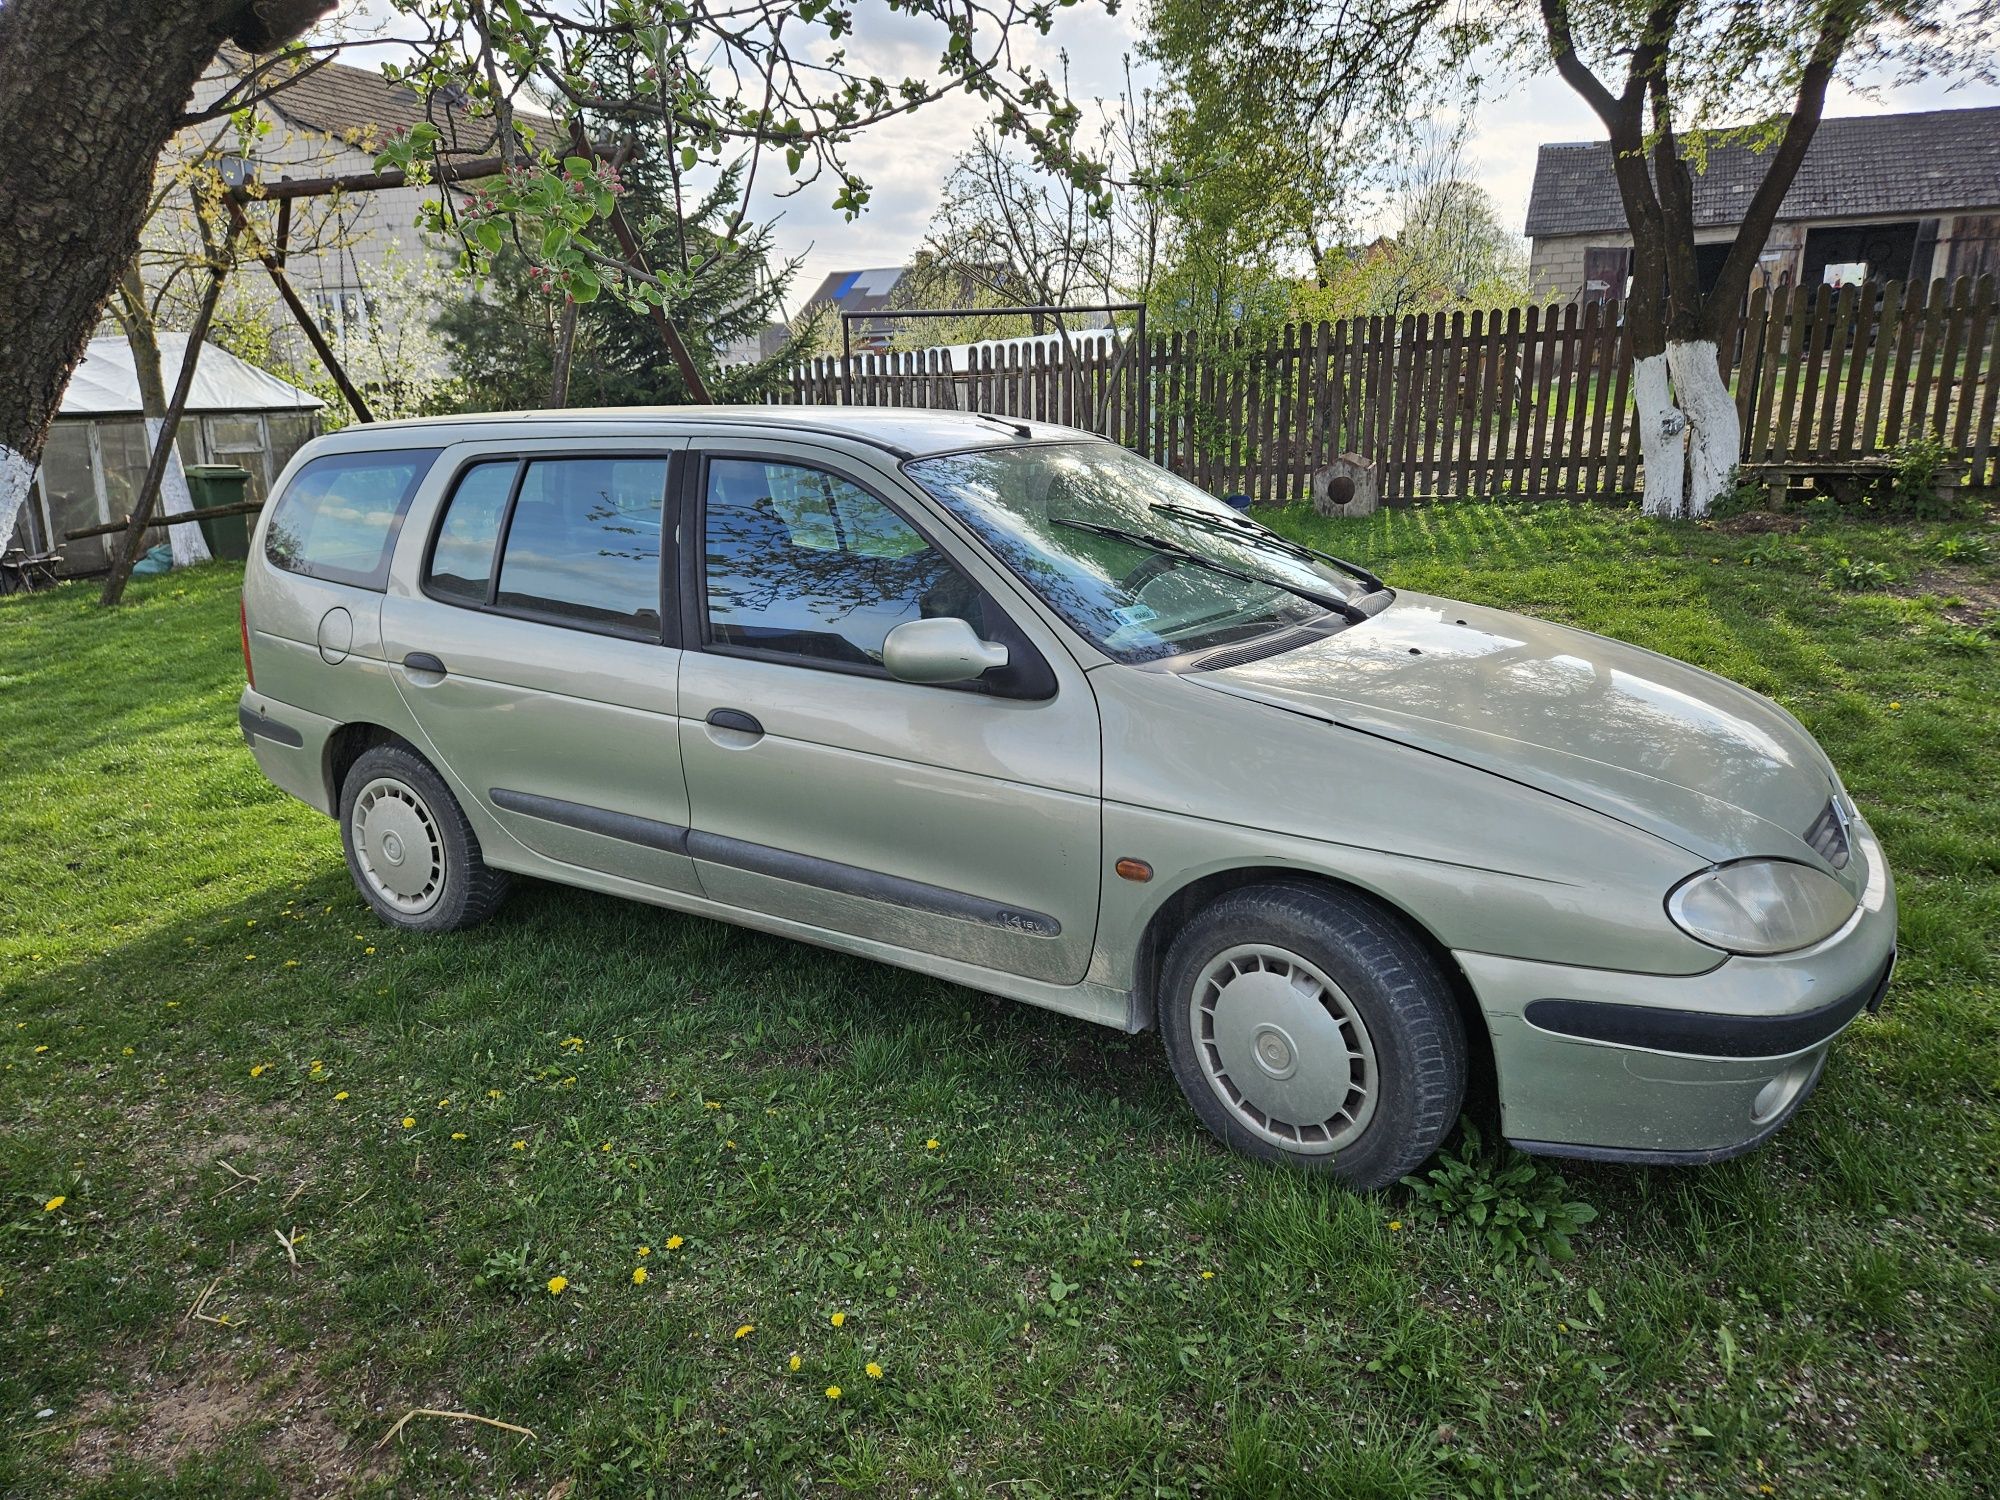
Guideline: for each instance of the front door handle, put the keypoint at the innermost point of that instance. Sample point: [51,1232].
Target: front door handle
[737,720]
[423,661]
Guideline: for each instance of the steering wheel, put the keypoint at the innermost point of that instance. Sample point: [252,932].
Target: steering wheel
[1149,569]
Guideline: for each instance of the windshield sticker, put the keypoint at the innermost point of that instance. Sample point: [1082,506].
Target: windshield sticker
[1133,615]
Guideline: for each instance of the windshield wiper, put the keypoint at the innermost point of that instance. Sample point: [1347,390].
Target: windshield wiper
[1170,548]
[1249,530]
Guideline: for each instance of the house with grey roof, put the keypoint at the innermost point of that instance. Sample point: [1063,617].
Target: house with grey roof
[1891,197]
[349,256]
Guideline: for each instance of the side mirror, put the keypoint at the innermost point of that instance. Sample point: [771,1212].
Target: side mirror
[942,650]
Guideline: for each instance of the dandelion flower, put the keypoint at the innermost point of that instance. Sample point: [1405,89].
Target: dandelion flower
[573,1043]
[458,1135]
[54,1203]
[444,1104]
[493,1093]
[340,1096]
[874,1370]
[41,1049]
[1894,704]
[369,949]
[1138,1261]
[409,1122]
[605,1147]
[128,1051]
[931,1144]
[1208,1275]
[520,1146]
[257,1071]
[674,1242]
[729,1145]
[711,1104]
[644,1251]
[291,963]
[638,1276]
[558,1285]
[746,1330]
[793,1364]
[837,1319]
[833,1393]
[1395,1225]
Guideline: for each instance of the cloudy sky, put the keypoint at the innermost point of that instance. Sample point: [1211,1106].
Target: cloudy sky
[905,160]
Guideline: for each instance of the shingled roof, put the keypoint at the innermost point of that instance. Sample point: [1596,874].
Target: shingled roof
[361,106]
[1937,161]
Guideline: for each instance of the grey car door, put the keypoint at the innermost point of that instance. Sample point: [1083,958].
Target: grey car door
[961,821]
[535,648]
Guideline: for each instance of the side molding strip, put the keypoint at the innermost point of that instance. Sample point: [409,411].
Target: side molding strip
[670,837]
[872,885]
[779,864]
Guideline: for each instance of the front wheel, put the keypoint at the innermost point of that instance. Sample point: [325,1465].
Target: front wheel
[410,849]
[1308,1025]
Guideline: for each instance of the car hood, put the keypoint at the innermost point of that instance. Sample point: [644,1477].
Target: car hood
[1653,742]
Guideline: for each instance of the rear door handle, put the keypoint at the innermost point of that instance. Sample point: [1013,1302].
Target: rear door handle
[423,661]
[736,719]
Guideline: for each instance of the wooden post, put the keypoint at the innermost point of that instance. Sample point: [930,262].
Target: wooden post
[142,508]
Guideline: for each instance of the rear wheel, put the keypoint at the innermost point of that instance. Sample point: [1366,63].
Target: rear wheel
[1308,1025]
[410,849]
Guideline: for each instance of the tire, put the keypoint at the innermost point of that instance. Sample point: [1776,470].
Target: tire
[413,855]
[1262,990]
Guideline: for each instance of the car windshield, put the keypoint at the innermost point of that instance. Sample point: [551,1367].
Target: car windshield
[1138,560]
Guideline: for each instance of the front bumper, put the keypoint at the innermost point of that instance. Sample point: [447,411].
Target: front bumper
[1678,1068]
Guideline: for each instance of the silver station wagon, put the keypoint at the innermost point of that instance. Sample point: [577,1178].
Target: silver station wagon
[1004,703]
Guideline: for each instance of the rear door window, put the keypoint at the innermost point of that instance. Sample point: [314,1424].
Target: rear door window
[461,566]
[338,518]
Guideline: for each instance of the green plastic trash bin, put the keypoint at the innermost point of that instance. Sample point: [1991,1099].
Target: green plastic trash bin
[212,486]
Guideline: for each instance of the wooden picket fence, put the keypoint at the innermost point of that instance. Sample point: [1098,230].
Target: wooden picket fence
[1522,403]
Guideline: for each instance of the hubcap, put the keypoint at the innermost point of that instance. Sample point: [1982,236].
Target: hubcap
[1283,1048]
[397,845]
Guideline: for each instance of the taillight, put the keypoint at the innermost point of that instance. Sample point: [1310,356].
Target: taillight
[243,628]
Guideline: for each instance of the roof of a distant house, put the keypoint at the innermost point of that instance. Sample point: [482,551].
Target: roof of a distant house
[860,291]
[359,103]
[1864,166]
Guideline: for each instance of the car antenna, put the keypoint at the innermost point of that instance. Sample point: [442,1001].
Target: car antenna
[1019,429]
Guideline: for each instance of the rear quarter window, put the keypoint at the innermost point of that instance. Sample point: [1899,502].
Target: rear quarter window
[339,516]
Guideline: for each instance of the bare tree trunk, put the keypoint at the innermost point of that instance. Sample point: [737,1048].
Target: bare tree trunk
[142,336]
[90,91]
[134,541]
[565,349]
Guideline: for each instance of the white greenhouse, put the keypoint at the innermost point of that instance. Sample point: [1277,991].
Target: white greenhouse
[97,452]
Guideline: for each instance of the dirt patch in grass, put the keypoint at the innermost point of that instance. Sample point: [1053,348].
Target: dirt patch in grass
[1972,601]
[168,1417]
[1760,523]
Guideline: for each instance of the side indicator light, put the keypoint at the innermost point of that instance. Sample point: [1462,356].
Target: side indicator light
[1134,869]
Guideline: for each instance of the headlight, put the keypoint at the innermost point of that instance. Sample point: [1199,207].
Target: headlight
[1760,906]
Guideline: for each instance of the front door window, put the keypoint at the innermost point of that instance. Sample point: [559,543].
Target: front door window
[801,563]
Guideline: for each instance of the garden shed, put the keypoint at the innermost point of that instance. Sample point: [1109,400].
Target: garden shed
[97,452]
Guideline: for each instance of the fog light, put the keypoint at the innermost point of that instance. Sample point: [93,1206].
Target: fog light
[1775,1097]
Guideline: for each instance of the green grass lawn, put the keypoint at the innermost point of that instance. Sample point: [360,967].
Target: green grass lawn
[360,1157]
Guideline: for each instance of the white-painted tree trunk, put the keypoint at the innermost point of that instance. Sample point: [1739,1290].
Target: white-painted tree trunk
[1662,435]
[1715,435]
[17,478]
[187,542]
